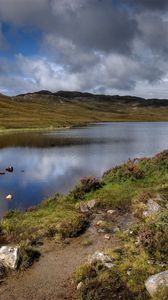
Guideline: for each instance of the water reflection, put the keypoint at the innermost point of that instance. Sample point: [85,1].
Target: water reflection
[54,162]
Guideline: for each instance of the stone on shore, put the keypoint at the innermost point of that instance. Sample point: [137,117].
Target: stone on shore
[9,257]
[100,257]
[153,283]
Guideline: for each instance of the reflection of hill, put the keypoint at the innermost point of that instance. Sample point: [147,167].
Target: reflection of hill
[47,141]
[45,109]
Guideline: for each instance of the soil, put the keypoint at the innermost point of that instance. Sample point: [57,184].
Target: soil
[51,277]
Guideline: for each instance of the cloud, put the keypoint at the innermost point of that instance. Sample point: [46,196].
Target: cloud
[89,45]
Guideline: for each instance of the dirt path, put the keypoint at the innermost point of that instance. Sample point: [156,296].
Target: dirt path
[51,277]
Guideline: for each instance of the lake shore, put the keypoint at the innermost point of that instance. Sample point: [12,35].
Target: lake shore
[117,214]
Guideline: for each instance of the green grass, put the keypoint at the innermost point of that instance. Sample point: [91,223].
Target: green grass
[124,188]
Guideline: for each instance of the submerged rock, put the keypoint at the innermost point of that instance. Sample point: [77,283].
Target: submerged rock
[153,283]
[9,257]
[9,197]
[9,169]
[153,208]
[100,257]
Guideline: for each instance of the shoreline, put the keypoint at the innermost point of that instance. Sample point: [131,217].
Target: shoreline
[4,131]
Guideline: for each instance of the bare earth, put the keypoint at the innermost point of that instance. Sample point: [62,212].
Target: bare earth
[51,277]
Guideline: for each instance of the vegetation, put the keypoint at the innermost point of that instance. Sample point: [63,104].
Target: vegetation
[44,110]
[143,250]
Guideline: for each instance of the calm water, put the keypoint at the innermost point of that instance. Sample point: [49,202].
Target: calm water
[48,163]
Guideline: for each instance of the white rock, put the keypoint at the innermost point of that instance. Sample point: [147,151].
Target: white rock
[100,223]
[9,197]
[153,208]
[107,236]
[80,286]
[100,257]
[153,283]
[9,256]
[91,204]
[111,212]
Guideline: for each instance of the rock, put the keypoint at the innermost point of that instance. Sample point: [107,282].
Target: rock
[129,272]
[116,229]
[9,257]
[84,208]
[111,212]
[100,223]
[153,283]
[107,237]
[9,197]
[100,257]
[153,208]
[80,286]
[9,169]
[91,204]
[101,230]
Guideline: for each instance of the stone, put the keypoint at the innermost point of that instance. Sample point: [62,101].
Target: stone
[116,229]
[84,208]
[153,283]
[80,286]
[101,230]
[100,257]
[9,197]
[91,204]
[153,208]
[111,212]
[9,169]
[9,256]
[107,237]
[100,223]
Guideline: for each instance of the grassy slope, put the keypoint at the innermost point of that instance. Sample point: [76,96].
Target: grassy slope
[43,111]
[124,188]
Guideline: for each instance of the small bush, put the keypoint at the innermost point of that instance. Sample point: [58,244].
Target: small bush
[129,170]
[28,255]
[86,185]
[154,237]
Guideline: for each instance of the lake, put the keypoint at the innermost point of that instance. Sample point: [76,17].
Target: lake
[47,163]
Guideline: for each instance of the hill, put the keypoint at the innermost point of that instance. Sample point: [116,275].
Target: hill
[44,109]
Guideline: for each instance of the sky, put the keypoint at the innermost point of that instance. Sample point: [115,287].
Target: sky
[100,46]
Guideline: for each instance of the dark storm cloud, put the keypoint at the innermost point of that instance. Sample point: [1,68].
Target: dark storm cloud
[150,4]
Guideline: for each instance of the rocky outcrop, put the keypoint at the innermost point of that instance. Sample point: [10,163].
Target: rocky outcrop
[9,257]
[153,283]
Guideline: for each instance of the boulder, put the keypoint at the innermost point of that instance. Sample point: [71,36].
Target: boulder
[9,256]
[153,283]
[153,208]
[100,257]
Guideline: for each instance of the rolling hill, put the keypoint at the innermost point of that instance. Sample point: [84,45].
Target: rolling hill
[45,109]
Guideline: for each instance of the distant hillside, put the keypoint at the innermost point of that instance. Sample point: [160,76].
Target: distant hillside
[44,109]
